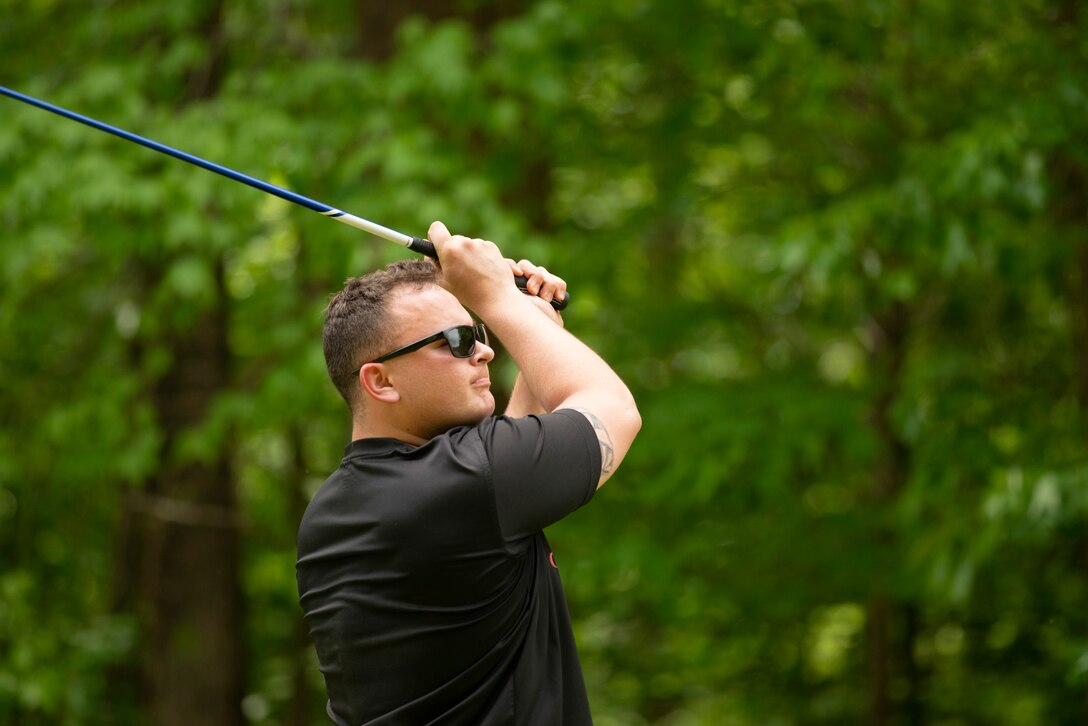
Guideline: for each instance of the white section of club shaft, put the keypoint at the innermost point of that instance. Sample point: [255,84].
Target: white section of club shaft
[367,226]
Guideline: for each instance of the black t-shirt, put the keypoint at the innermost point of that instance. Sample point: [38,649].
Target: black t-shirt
[429,589]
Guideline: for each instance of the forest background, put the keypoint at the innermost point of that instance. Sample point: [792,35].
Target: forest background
[839,249]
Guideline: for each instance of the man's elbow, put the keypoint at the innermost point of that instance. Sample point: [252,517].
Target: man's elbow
[631,418]
[625,423]
[635,418]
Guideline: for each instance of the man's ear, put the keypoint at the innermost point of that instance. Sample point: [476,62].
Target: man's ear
[377,384]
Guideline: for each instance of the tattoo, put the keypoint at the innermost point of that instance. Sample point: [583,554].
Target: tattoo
[608,455]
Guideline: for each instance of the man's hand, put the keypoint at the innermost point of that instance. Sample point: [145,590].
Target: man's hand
[543,285]
[472,269]
[475,271]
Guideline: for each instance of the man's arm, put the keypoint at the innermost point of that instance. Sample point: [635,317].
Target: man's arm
[545,287]
[522,401]
[559,369]
[608,449]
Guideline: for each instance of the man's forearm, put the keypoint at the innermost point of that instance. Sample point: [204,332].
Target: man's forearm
[523,402]
[553,363]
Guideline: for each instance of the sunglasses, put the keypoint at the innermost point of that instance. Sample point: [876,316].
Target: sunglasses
[461,340]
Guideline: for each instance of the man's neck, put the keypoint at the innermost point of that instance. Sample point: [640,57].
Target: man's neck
[384,430]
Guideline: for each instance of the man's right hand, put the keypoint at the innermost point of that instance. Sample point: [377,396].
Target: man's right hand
[473,269]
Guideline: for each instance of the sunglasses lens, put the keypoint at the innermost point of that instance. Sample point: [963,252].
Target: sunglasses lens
[462,340]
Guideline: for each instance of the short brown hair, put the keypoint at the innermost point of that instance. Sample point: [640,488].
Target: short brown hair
[357,323]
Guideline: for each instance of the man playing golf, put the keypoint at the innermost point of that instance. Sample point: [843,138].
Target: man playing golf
[429,588]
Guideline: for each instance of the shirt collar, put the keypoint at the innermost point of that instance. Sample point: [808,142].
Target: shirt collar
[373,446]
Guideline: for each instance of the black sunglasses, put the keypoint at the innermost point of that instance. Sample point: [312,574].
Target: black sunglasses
[461,340]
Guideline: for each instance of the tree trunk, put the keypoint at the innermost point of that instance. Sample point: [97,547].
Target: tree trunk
[301,710]
[888,620]
[178,565]
[1070,182]
[186,584]
[879,655]
[378,24]
[204,79]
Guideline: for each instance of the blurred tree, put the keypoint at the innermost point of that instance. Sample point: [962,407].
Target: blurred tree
[838,249]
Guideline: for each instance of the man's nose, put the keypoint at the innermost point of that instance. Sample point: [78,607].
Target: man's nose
[484,353]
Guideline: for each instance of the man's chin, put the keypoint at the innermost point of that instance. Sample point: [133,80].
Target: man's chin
[476,417]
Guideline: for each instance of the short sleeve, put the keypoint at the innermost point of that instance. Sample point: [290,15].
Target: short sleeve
[543,468]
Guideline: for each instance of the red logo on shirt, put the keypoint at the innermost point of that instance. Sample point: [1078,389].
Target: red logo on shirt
[551,559]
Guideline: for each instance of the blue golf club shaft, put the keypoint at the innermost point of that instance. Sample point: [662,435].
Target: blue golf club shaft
[416,244]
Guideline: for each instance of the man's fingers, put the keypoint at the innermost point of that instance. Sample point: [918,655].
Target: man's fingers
[437,232]
[540,285]
[455,251]
[439,236]
[540,282]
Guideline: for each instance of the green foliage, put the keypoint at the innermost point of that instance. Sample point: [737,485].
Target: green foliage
[833,248]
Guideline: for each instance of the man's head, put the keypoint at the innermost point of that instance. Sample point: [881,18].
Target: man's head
[423,392]
[358,327]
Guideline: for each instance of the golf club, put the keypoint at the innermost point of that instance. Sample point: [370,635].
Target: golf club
[416,244]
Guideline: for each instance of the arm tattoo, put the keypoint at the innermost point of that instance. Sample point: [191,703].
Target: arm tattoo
[608,455]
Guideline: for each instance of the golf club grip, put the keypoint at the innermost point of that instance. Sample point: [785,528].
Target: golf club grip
[424,247]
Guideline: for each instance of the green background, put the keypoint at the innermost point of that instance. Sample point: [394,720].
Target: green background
[838,250]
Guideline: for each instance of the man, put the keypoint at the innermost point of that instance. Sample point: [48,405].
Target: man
[430,591]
